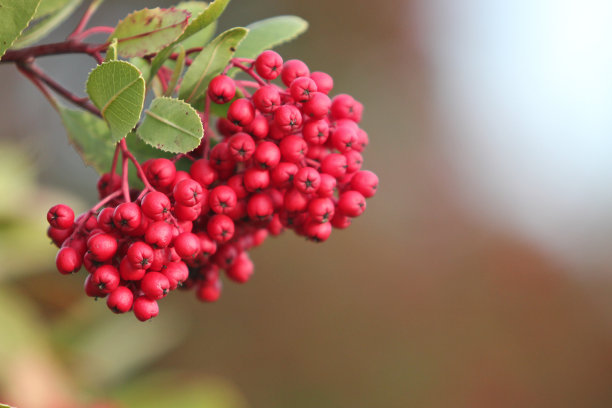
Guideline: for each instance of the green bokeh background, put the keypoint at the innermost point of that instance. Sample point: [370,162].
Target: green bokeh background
[418,304]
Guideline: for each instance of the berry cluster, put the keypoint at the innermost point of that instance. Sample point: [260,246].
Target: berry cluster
[287,157]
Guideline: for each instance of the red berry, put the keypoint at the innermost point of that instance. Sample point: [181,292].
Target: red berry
[159,234]
[241,146]
[91,289]
[160,172]
[236,183]
[129,272]
[352,203]
[267,155]
[316,131]
[241,112]
[184,213]
[102,246]
[293,149]
[202,172]
[354,160]
[328,185]
[242,269]
[260,207]
[267,98]
[120,300]
[293,69]
[140,255]
[341,221]
[335,165]
[187,245]
[188,193]
[108,184]
[302,88]
[221,89]
[155,285]
[307,180]
[316,231]
[156,205]
[106,278]
[145,308]
[68,261]
[220,227]
[209,291]
[256,179]
[176,273]
[365,182]
[324,81]
[344,138]
[318,106]
[105,220]
[58,236]
[258,128]
[222,199]
[295,201]
[321,209]
[283,174]
[343,106]
[60,216]
[269,65]
[127,217]
[288,118]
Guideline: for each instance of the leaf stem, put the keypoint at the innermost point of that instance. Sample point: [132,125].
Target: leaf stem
[126,152]
[93,6]
[125,185]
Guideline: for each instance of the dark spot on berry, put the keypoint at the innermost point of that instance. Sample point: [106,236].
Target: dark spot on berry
[232,49]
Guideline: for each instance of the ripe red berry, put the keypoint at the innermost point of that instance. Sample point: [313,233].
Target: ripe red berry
[184,213]
[307,180]
[241,146]
[188,193]
[221,89]
[354,160]
[316,131]
[176,273]
[105,220]
[222,199]
[302,88]
[295,200]
[241,112]
[365,182]
[120,300]
[106,278]
[293,69]
[267,98]
[269,65]
[60,216]
[159,234]
[202,172]
[283,174]
[258,128]
[256,179]
[267,155]
[91,289]
[209,291]
[352,203]
[156,205]
[108,184]
[242,269]
[341,221]
[140,255]
[316,231]
[187,245]
[344,138]
[58,236]
[293,149]
[343,106]
[325,82]
[127,272]
[127,217]
[102,246]
[260,207]
[321,209]
[288,118]
[318,106]
[68,261]
[236,183]
[145,308]
[160,172]
[335,165]
[155,285]
[220,227]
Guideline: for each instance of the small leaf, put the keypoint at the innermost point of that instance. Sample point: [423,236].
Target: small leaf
[210,62]
[269,33]
[111,51]
[203,20]
[202,37]
[148,31]
[14,18]
[176,73]
[49,15]
[171,125]
[117,88]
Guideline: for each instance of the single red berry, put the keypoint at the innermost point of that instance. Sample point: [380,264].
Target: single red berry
[344,138]
[225,256]
[184,213]
[140,255]
[307,180]
[341,221]
[317,152]
[269,65]
[221,89]
[256,179]
[78,244]
[145,308]
[260,207]
[316,231]
[160,172]
[189,192]
[127,217]
[267,155]
[207,246]
[321,209]
[365,182]
[352,203]
[295,200]
[283,174]
[242,269]
[58,236]
[316,131]
[236,183]
[102,246]
[202,172]
[209,291]
[159,234]
[293,69]
[288,118]
[318,106]
[68,261]
[275,226]
[354,160]
[187,245]
[241,146]
[155,285]
[91,289]
[105,220]
[222,199]
[221,157]
[275,132]
[241,112]
[220,227]
[267,98]
[127,272]
[106,278]
[302,88]
[258,128]
[325,82]
[156,205]
[293,149]
[60,216]
[343,106]
[120,300]
[335,165]
[176,273]
[108,184]
[328,185]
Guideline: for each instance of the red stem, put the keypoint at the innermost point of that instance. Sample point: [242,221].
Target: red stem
[141,173]
[94,30]
[115,159]
[65,47]
[125,185]
[236,62]
[93,6]
[28,74]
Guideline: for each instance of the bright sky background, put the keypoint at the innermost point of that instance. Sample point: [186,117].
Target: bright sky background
[524,88]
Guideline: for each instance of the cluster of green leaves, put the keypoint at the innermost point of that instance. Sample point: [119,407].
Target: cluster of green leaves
[118,87]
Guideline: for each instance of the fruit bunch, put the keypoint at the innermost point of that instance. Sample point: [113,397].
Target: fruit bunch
[287,156]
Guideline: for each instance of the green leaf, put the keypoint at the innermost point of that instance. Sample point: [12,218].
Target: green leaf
[111,52]
[176,73]
[171,125]
[270,33]
[14,18]
[202,37]
[203,20]
[210,62]
[49,15]
[117,88]
[148,31]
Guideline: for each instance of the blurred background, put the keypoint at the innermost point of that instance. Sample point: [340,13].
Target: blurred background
[480,276]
